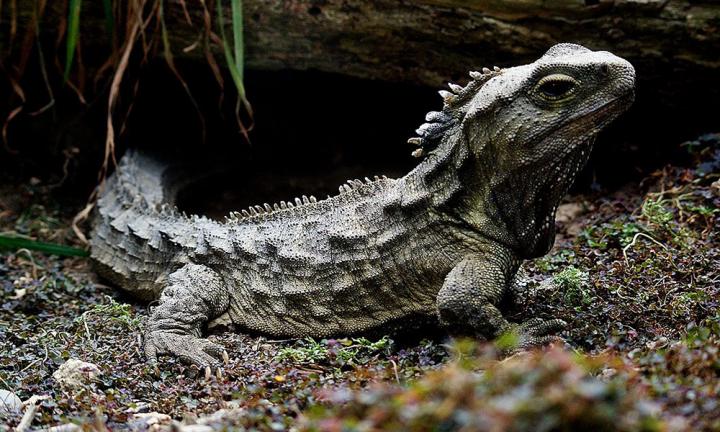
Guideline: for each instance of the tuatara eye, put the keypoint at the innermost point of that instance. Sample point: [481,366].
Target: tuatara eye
[556,87]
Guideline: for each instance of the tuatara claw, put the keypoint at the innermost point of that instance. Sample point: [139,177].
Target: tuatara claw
[535,333]
[540,327]
[189,349]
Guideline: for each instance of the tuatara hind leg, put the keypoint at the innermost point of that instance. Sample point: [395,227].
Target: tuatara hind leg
[470,295]
[195,295]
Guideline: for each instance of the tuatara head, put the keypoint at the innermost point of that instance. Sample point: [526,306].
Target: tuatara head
[530,130]
[526,132]
[530,112]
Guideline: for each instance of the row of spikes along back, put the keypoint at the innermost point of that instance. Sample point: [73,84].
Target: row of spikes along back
[437,122]
[267,209]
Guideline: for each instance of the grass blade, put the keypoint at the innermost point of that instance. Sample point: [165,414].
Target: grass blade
[14,243]
[73,33]
[232,63]
[237,28]
[109,18]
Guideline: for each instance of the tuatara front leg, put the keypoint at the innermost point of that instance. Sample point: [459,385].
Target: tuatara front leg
[195,295]
[470,295]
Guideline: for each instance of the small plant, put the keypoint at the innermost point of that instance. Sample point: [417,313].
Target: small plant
[702,210]
[661,219]
[683,303]
[337,352]
[626,231]
[553,262]
[618,233]
[574,283]
[656,213]
[310,351]
[113,311]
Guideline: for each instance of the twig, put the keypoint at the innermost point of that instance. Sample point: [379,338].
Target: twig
[69,155]
[32,363]
[87,329]
[32,261]
[395,369]
[83,318]
[634,240]
[617,293]
[280,341]
[667,294]
[30,411]
[27,418]
[41,60]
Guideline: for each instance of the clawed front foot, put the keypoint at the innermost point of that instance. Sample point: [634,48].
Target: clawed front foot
[195,295]
[189,349]
[533,333]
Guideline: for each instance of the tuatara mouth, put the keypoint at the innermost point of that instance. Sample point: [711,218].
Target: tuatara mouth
[582,130]
[595,119]
[609,111]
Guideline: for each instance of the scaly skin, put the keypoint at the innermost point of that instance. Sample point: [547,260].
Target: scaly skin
[443,242]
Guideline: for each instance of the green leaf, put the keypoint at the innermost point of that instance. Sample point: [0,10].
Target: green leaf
[164,33]
[109,19]
[234,63]
[15,242]
[73,33]
[238,43]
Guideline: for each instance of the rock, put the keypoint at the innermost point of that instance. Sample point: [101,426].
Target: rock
[151,421]
[152,418]
[140,407]
[196,428]
[566,216]
[67,427]
[76,373]
[568,212]
[715,187]
[547,285]
[222,322]
[607,374]
[9,402]
[206,422]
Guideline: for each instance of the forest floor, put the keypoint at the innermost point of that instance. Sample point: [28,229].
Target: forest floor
[634,272]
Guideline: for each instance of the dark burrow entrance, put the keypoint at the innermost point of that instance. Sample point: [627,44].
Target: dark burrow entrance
[313,131]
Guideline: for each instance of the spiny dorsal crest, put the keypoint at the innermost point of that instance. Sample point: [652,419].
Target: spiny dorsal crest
[438,122]
[266,209]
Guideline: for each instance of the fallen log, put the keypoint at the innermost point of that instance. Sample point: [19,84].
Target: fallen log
[427,41]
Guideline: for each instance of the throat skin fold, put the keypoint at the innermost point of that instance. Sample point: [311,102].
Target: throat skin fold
[514,207]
